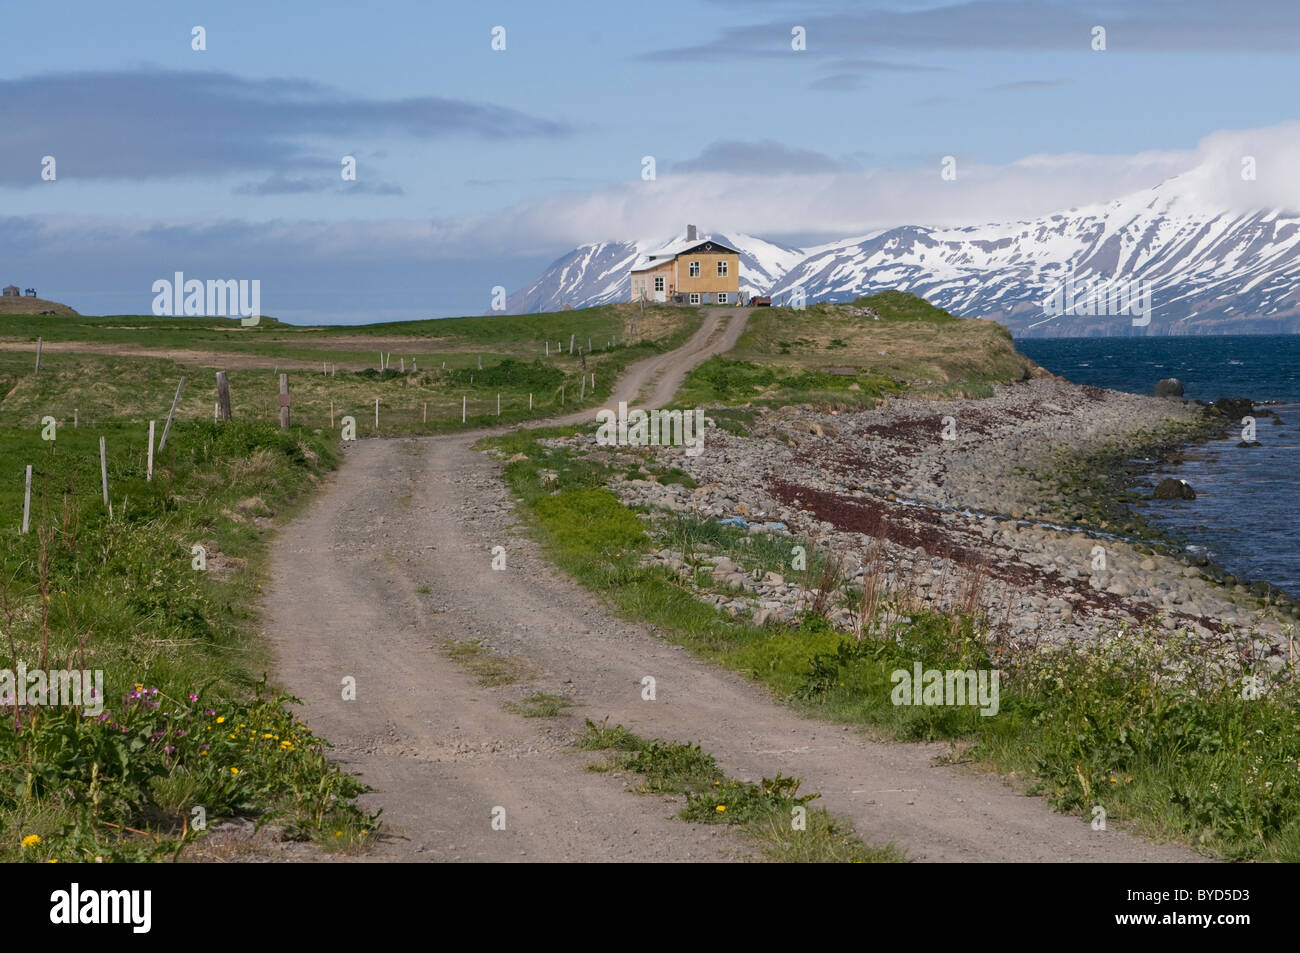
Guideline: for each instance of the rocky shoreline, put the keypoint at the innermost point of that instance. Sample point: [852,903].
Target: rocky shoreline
[997,502]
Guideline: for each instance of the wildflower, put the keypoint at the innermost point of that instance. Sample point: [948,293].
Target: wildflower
[193,697]
[31,840]
[234,770]
[721,807]
[221,718]
[53,860]
[338,833]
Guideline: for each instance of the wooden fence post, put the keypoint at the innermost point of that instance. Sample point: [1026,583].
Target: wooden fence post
[27,500]
[462,408]
[284,401]
[148,473]
[74,418]
[331,413]
[223,395]
[498,403]
[170,414]
[376,413]
[39,343]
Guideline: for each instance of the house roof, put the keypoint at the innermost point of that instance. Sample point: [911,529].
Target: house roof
[651,264]
[681,245]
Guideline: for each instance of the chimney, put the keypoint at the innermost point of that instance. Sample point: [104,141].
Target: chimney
[690,233]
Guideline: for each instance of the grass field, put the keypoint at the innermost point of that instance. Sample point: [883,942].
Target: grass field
[127,369]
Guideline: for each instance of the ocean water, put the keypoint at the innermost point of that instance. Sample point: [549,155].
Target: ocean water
[1246,515]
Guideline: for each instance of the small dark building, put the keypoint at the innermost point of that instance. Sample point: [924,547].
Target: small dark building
[10,291]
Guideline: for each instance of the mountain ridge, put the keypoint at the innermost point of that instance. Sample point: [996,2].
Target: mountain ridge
[1207,271]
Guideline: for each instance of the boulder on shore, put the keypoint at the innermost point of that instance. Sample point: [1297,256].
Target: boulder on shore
[1169,387]
[1171,489]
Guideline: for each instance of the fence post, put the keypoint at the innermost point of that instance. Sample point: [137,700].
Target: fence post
[223,395]
[170,414]
[148,473]
[39,343]
[462,408]
[284,401]
[103,471]
[376,413]
[27,500]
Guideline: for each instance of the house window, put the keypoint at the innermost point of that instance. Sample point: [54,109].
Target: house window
[695,297]
[695,269]
[722,269]
[722,297]
[659,282]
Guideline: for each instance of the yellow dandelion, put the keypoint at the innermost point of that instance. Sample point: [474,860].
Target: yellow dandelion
[31,840]
[338,833]
[220,719]
[234,770]
[721,808]
[53,860]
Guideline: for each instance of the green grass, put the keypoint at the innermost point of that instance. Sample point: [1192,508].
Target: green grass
[772,815]
[542,705]
[488,667]
[485,359]
[1142,724]
[846,355]
[181,661]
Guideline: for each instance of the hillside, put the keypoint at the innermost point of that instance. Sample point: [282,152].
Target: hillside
[33,306]
[1209,271]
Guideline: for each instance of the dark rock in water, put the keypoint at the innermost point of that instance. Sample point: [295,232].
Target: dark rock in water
[1234,408]
[1277,421]
[1169,387]
[1171,489]
[1247,444]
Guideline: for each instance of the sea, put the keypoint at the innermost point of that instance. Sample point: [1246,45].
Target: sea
[1246,515]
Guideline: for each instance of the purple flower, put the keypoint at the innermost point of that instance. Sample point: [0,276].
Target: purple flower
[180,732]
[193,697]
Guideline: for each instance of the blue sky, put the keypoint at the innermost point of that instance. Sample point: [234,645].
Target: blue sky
[478,167]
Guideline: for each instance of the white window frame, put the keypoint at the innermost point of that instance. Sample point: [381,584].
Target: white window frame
[722,269]
[695,297]
[694,269]
[722,297]
[659,282]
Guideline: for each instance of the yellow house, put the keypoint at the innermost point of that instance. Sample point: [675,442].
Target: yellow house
[690,271]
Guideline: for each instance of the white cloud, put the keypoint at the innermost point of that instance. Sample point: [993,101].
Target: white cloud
[849,203]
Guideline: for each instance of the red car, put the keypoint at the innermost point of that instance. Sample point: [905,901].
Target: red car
[761,301]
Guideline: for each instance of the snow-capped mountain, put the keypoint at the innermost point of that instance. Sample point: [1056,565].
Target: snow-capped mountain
[598,273]
[1206,271]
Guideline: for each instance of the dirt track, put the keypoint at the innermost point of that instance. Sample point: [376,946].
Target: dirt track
[442,752]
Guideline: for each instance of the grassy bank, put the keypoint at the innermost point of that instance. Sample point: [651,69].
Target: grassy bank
[1137,729]
[850,355]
